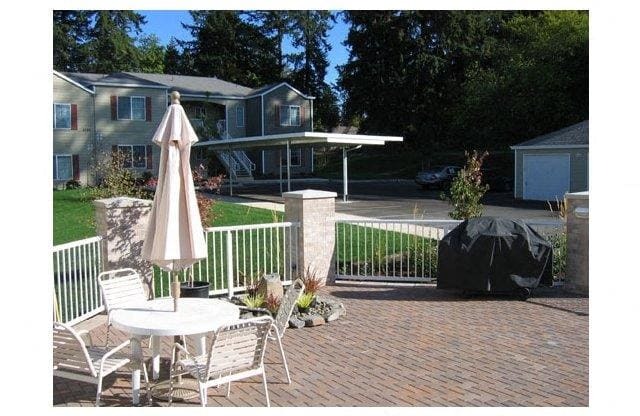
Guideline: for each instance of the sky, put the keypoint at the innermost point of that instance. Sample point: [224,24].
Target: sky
[167,24]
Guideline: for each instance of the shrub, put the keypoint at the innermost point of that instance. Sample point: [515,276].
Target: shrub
[272,303]
[116,179]
[253,301]
[312,283]
[467,189]
[72,184]
[305,300]
[559,242]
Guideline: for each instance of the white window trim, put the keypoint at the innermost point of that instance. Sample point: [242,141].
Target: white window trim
[146,156]
[131,97]
[57,178]
[55,127]
[289,124]
[239,120]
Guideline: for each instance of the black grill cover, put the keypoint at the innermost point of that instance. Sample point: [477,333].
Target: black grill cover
[489,254]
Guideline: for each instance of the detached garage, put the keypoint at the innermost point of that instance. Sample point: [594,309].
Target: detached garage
[548,166]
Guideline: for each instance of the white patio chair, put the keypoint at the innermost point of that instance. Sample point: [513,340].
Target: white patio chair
[236,352]
[281,321]
[73,360]
[121,288]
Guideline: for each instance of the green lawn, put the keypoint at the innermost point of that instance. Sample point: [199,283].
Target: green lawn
[73,215]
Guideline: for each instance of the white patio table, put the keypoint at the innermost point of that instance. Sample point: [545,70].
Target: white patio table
[195,316]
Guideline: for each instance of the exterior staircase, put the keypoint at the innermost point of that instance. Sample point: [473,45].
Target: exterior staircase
[239,165]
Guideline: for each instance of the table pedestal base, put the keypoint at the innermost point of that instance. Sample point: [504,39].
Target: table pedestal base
[186,390]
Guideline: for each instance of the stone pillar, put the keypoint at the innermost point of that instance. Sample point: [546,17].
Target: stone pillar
[577,273]
[316,212]
[122,222]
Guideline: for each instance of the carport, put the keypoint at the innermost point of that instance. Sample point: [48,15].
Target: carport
[347,142]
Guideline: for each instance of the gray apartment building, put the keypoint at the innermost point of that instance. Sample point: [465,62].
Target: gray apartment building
[95,114]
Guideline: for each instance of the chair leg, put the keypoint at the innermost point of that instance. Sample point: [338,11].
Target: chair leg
[266,392]
[170,385]
[99,392]
[284,360]
[203,394]
[146,380]
[106,344]
[228,389]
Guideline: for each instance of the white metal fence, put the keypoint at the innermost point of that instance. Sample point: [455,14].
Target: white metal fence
[397,250]
[76,266]
[238,256]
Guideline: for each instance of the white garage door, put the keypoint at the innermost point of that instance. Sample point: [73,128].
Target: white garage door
[546,176]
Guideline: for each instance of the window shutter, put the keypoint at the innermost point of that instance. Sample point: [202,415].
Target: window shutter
[114,107]
[302,115]
[149,157]
[55,168]
[76,167]
[148,108]
[74,116]
[277,113]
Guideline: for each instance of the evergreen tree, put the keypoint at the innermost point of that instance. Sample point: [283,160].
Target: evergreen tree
[275,25]
[229,48]
[111,44]
[173,59]
[309,33]
[70,30]
[151,55]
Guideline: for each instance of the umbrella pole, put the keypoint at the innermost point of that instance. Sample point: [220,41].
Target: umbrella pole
[175,289]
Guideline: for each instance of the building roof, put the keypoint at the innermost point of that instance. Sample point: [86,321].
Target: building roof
[191,85]
[185,84]
[576,135]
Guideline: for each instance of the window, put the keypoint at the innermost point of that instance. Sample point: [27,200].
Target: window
[199,114]
[296,157]
[62,167]
[134,155]
[239,116]
[62,116]
[289,115]
[131,108]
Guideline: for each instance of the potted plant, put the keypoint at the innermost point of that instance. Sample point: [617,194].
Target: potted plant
[194,288]
[305,301]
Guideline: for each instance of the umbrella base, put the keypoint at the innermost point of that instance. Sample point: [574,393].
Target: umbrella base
[185,390]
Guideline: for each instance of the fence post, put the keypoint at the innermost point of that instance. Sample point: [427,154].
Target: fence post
[122,222]
[315,212]
[229,264]
[577,273]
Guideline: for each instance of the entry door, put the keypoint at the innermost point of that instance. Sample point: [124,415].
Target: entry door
[546,177]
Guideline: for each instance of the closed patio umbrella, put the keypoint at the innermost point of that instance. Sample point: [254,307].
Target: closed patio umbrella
[174,238]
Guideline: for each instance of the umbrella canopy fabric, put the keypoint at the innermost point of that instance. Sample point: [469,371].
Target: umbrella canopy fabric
[174,238]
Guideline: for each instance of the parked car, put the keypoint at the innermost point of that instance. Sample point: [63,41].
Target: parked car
[439,177]
[496,180]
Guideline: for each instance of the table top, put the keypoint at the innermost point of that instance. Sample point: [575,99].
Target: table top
[194,316]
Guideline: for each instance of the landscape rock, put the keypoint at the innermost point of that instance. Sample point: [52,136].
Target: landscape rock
[294,322]
[314,320]
[270,284]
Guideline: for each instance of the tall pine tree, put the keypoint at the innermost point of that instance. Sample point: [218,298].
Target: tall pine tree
[227,47]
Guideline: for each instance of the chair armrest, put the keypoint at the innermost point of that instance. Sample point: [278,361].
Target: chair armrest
[111,352]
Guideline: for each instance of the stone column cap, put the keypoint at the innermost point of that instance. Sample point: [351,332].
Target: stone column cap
[577,195]
[123,202]
[309,194]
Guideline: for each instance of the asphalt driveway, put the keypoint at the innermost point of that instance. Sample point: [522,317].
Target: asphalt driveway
[397,199]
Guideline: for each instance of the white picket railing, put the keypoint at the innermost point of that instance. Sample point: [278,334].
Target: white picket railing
[238,256]
[389,250]
[76,266]
[398,250]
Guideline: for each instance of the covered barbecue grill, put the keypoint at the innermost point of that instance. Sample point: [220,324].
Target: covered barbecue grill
[494,255]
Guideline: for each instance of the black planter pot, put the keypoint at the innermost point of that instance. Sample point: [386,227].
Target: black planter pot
[196,289]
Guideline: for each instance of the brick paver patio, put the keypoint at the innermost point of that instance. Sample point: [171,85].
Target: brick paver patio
[409,346]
